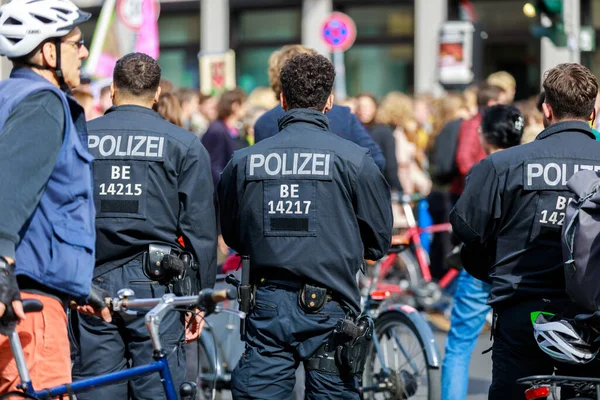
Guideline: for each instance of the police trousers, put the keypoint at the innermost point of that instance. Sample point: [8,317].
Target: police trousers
[280,335]
[515,353]
[101,347]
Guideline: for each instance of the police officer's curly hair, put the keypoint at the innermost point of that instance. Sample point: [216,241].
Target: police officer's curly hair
[137,74]
[279,58]
[306,81]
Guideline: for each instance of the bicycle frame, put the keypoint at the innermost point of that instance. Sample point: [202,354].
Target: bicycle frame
[160,365]
[412,235]
[432,356]
[153,318]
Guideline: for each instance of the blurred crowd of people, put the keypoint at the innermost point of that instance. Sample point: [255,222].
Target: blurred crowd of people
[405,127]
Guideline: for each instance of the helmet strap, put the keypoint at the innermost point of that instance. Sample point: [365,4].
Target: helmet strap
[58,70]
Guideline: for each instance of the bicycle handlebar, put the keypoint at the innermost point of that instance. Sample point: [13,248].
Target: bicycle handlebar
[205,300]
[407,198]
[209,297]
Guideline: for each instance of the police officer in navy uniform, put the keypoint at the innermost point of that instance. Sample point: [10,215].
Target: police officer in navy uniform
[510,217]
[152,184]
[306,206]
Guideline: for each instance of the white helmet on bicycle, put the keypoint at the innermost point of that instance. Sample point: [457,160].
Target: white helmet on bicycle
[25,24]
[562,341]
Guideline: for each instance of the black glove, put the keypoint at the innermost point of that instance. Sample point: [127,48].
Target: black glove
[453,259]
[9,292]
[97,297]
[476,260]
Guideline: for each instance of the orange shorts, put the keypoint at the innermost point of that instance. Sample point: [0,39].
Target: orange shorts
[46,346]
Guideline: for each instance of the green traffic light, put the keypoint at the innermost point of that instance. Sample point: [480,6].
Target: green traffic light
[552,6]
[553,10]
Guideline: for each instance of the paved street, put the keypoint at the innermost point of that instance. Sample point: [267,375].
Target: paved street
[480,371]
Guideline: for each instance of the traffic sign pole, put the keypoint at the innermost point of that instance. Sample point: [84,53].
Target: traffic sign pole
[339,32]
[340,75]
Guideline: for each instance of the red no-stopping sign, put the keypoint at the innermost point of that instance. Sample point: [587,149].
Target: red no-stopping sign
[339,31]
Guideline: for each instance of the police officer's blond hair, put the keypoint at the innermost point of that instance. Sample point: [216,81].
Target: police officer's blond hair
[503,80]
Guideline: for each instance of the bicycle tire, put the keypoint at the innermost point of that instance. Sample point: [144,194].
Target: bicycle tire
[408,262]
[382,326]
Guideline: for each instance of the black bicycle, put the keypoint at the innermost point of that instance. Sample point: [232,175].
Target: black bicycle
[583,388]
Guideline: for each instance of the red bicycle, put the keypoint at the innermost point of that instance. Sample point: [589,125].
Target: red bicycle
[408,272]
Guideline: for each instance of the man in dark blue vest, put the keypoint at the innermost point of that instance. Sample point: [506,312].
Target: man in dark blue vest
[47,234]
[341,121]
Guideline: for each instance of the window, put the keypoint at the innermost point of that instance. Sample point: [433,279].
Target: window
[87,29]
[179,29]
[269,25]
[379,69]
[391,21]
[252,67]
[595,14]
[260,33]
[180,66]
[502,15]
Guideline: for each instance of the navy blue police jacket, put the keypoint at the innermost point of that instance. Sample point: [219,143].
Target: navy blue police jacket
[341,122]
[512,210]
[307,202]
[152,184]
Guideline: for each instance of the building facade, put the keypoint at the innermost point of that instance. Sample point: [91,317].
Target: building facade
[396,46]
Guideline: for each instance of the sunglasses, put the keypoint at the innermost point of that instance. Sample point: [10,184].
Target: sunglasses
[78,43]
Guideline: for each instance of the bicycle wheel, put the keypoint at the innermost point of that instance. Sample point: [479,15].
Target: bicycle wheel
[206,368]
[405,373]
[409,268]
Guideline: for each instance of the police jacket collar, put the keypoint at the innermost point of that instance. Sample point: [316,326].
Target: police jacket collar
[306,115]
[134,108]
[566,126]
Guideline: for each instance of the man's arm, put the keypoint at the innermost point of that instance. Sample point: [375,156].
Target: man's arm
[474,218]
[360,136]
[197,217]
[228,205]
[373,210]
[30,141]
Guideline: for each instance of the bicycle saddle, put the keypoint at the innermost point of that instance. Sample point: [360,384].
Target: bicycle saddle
[399,244]
[591,320]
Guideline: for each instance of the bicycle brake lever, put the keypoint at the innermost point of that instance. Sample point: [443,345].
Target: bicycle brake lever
[232,280]
[116,305]
[237,313]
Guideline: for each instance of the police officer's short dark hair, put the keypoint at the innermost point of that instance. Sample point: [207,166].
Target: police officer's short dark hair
[502,126]
[137,74]
[571,91]
[307,81]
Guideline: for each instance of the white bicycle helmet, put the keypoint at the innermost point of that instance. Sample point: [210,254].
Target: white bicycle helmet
[562,341]
[24,24]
